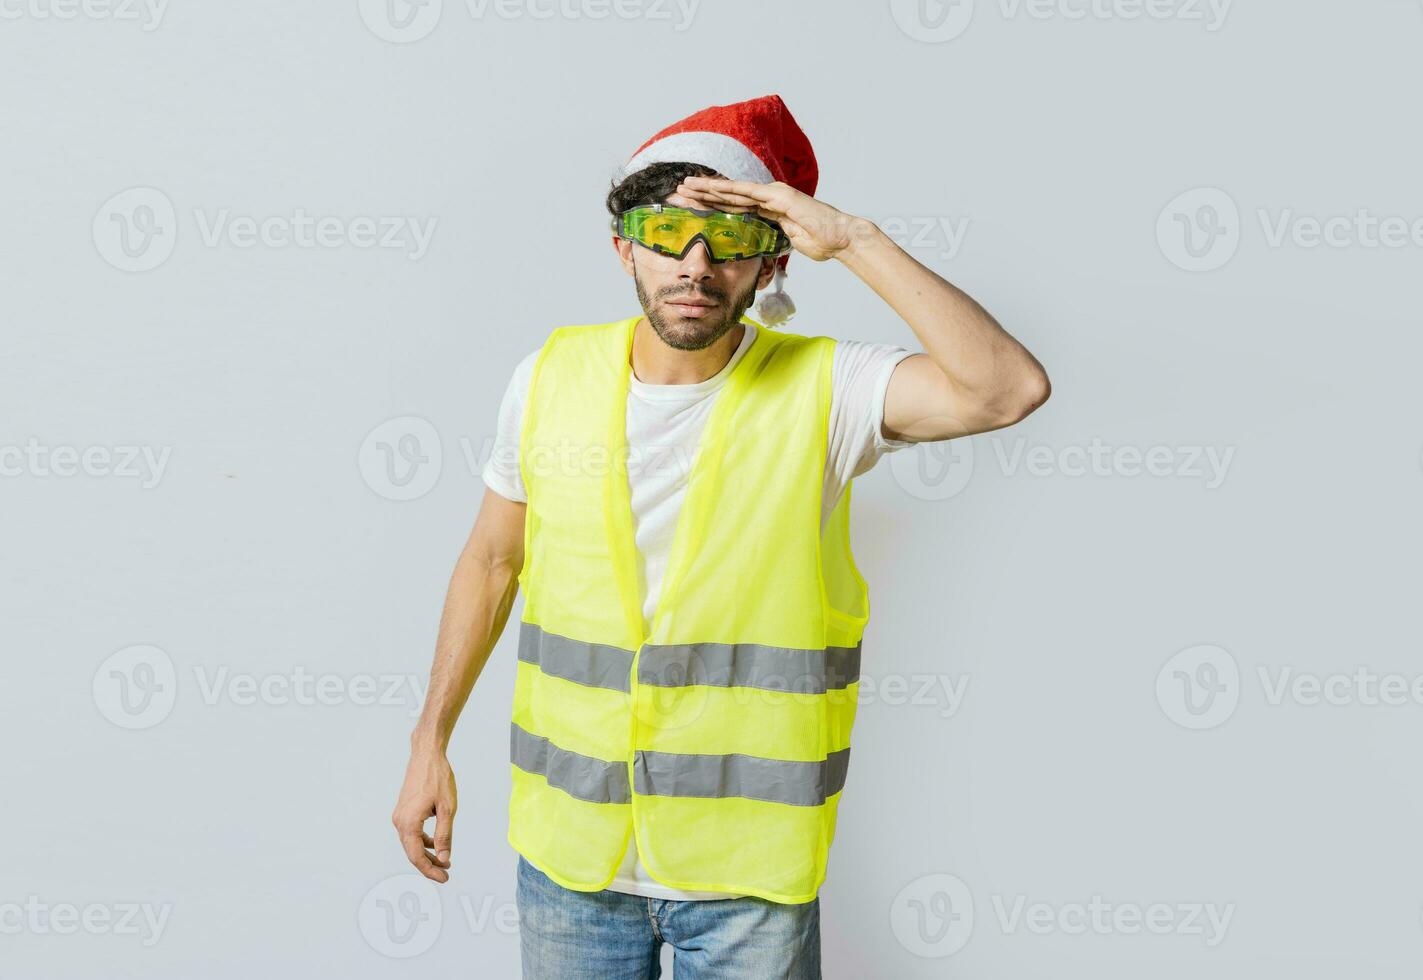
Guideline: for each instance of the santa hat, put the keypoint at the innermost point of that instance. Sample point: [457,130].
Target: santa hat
[756,140]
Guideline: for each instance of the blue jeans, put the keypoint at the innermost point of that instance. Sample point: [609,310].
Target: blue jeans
[607,935]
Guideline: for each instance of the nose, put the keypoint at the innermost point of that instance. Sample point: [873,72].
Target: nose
[696,264]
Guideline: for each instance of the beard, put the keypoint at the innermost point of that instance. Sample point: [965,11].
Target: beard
[686,333]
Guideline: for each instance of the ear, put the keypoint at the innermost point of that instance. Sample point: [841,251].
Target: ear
[624,250]
[768,272]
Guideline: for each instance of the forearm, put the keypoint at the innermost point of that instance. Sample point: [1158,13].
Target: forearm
[477,605]
[977,356]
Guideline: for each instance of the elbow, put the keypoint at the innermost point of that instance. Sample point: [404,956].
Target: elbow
[1036,390]
[1012,399]
[1027,396]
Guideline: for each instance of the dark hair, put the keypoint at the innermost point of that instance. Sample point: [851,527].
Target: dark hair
[652,185]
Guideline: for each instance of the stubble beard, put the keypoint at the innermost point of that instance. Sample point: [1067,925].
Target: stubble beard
[682,333]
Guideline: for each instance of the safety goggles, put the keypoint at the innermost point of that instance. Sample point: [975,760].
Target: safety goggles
[673,231]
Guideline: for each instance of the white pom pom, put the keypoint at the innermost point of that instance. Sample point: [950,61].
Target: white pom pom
[776,307]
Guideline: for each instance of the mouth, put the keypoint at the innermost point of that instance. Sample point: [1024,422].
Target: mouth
[693,307]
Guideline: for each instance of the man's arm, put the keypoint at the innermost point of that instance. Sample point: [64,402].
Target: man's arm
[477,605]
[972,376]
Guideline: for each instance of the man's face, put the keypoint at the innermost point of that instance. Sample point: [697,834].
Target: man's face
[666,287]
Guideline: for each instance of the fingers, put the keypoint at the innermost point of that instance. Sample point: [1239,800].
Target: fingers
[733,202]
[716,203]
[444,832]
[741,188]
[429,843]
[421,859]
[721,203]
[767,205]
[737,192]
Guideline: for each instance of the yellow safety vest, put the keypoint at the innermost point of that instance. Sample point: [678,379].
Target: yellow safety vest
[721,735]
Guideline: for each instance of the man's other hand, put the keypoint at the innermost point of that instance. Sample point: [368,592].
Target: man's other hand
[429,791]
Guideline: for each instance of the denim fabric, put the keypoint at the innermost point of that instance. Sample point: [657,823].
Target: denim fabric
[607,935]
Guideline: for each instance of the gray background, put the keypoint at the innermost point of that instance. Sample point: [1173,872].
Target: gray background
[1073,610]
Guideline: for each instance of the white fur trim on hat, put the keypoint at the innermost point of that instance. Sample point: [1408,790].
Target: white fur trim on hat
[727,156]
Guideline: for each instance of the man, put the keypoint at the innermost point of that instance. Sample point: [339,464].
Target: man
[672,492]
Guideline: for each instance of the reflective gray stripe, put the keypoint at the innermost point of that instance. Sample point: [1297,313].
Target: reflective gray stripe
[755,665]
[749,665]
[775,780]
[589,664]
[679,774]
[583,776]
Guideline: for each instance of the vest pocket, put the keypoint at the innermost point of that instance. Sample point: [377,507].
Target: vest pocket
[843,629]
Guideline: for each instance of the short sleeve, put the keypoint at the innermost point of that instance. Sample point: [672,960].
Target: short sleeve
[501,471]
[861,377]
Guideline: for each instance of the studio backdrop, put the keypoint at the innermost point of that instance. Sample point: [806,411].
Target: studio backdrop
[1141,692]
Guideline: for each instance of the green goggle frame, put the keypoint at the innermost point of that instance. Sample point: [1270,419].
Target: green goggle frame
[673,231]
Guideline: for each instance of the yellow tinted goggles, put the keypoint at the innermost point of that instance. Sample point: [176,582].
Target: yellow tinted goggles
[673,231]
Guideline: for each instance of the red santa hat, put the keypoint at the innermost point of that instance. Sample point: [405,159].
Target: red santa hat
[756,140]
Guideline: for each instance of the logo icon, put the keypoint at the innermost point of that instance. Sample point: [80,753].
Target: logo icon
[401,458]
[401,916]
[932,20]
[933,470]
[1199,687]
[136,687]
[932,916]
[401,21]
[135,230]
[1199,231]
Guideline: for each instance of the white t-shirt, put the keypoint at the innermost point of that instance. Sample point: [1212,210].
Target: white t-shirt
[664,424]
